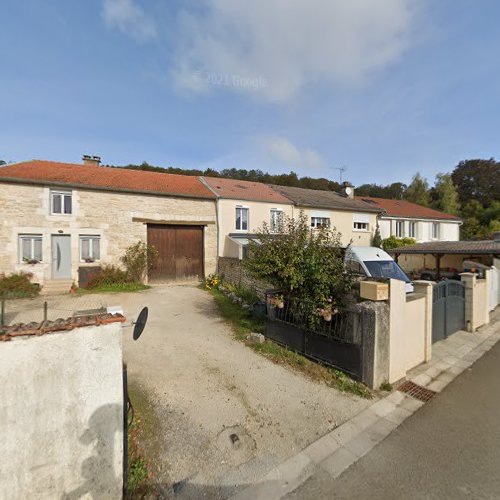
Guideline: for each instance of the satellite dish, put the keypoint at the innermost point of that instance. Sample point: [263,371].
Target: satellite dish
[140,324]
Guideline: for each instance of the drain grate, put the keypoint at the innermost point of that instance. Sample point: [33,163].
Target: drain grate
[416,391]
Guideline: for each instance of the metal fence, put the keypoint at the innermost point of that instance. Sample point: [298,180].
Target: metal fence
[302,327]
[344,325]
[38,309]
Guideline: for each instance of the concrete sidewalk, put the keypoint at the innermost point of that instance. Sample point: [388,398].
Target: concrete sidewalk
[449,449]
[336,451]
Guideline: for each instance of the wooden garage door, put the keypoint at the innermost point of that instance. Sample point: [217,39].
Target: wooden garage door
[180,252]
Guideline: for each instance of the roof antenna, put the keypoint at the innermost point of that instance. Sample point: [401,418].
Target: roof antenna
[341,170]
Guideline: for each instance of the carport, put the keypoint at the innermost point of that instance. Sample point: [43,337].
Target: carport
[456,252]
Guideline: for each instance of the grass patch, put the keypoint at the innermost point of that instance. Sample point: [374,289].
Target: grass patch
[243,323]
[141,453]
[385,386]
[115,288]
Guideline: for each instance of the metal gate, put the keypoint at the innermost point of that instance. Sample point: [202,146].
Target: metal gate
[448,309]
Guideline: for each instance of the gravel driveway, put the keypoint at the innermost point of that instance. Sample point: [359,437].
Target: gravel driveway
[207,387]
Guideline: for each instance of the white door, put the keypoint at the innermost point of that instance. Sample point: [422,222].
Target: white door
[61,257]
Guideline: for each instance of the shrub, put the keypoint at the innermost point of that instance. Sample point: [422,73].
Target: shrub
[138,259]
[392,242]
[304,264]
[17,285]
[377,239]
[109,275]
[243,292]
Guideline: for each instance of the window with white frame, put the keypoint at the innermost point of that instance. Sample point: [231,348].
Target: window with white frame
[361,222]
[435,230]
[361,226]
[276,219]
[412,229]
[61,202]
[90,248]
[242,218]
[400,228]
[320,222]
[30,248]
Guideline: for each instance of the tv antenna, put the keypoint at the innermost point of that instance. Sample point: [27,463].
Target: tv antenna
[341,170]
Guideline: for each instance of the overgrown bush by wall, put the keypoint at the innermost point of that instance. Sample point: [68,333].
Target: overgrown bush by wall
[233,272]
[18,285]
[393,242]
[108,275]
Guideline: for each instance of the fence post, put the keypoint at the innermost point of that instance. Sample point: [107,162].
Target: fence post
[45,307]
[2,313]
[427,289]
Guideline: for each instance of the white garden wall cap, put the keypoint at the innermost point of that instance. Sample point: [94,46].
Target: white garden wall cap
[59,325]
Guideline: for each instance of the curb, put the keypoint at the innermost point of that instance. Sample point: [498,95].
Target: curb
[345,445]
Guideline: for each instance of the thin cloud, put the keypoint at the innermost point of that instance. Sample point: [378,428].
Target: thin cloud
[290,43]
[282,151]
[129,18]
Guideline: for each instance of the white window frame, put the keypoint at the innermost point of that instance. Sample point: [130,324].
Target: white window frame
[412,229]
[435,230]
[32,237]
[63,194]
[401,224]
[243,209]
[361,226]
[279,221]
[316,225]
[91,238]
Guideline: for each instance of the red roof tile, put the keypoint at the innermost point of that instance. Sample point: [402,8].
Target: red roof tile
[245,190]
[114,179]
[403,208]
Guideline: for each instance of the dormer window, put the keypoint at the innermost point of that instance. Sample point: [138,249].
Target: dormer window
[61,202]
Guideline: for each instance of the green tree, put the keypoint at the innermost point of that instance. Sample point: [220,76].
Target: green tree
[377,239]
[304,264]
[446,195]
[478,180]
[418,191]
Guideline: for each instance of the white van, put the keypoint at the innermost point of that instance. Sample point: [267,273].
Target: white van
[375,263]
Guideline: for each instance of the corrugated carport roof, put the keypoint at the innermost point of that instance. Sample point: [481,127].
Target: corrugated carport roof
[486,247]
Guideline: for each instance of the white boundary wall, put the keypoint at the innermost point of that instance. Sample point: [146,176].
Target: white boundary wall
[61,407]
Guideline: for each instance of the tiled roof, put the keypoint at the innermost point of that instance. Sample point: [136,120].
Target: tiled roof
[112,179]
[27,329]
[324,199]
[244,190]
[403,208]
[451,247]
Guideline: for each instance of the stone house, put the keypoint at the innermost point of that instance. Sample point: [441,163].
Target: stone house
[404,219]
[58,218]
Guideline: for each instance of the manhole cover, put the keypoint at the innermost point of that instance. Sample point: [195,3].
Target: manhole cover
[236,445]
[416,391]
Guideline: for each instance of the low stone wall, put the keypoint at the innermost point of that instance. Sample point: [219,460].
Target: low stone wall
[61,403]
[233,272]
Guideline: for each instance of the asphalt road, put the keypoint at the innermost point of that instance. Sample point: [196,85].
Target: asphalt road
[450,448]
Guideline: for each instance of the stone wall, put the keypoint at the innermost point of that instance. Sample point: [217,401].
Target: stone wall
[118,218]
[233,272]
[61,403]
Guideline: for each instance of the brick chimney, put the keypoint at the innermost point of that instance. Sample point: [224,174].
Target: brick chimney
[347,190]
[93,161]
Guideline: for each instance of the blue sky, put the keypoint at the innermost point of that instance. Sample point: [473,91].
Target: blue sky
[385,88]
